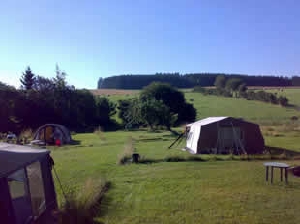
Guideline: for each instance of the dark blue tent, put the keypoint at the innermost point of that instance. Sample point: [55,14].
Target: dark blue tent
[27,192]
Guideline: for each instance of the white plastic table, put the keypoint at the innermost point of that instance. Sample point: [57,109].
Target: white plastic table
[273,165]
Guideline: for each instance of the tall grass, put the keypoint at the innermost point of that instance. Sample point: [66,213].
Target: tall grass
[99,132]
[25,136]
[127,152]
[83,206]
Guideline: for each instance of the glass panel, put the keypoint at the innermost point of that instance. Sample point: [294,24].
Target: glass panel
[19,193]
[16,182]
[36,187]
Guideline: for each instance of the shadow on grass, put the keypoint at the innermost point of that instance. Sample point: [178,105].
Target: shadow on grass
[75,142]
[275,151]
[280,155]
[103,202]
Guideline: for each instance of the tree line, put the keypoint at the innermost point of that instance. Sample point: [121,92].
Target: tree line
[190,80]
[235,87]
[43,100]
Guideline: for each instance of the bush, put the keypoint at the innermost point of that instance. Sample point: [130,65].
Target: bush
[283,101]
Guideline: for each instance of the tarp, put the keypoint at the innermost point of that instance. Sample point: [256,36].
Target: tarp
[14,157]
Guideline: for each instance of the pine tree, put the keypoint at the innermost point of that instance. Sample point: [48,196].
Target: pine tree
[27,79]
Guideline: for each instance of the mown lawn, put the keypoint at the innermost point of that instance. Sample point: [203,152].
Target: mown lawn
[220,190]
[175,192]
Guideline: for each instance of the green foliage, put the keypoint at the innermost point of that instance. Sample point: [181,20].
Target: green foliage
[105,109]
[155,112]
[220,82]
[52,101]
[172,98]
[189,80]
[233,85]
[242,87]
[28,79]
[169,95]
[217,91]
[60,78]
[283,101]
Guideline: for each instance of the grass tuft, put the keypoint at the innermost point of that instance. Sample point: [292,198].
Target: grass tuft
[99,132]
[128,150]
[25,136]
[85,205]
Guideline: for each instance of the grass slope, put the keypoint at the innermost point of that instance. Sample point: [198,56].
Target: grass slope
[251,110]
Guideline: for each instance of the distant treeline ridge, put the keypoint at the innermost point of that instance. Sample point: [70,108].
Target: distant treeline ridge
[190,80]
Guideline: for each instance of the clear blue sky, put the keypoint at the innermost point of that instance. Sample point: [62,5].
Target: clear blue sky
[91,39]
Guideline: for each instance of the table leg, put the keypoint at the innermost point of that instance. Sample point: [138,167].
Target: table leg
[272,168]
[286,175]
[267,173]
[281,174]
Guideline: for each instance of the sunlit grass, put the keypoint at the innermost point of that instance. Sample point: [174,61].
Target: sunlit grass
[205,191]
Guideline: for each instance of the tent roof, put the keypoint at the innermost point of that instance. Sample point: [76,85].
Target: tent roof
[14,157]
[206,121]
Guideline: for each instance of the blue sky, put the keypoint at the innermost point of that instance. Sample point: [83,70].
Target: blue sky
[91,39]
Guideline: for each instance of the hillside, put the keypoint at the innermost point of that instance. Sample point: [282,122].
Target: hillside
[189,80]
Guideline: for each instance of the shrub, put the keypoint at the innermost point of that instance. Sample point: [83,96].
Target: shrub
[283,101]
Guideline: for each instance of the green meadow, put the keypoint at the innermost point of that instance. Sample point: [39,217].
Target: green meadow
[196,188]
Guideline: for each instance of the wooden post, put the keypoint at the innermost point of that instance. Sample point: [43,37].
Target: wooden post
[281,174]
[286,175]
[272,168]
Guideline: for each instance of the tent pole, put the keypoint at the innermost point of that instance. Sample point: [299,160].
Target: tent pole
[218,140]
[237,141]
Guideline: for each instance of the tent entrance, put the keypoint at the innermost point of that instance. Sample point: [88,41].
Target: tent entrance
[230,139]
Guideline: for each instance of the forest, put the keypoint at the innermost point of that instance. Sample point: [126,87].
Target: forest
[178,80]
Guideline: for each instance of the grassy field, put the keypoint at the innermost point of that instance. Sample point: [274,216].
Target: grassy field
[251,110]
[217,190]
[214,191]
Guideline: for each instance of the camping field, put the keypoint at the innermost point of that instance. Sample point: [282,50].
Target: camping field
[172,186]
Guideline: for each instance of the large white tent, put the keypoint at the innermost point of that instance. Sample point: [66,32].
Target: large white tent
[224,135]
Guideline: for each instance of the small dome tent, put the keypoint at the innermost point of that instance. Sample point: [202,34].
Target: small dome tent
[51,134]
[221,135]
[27,190]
